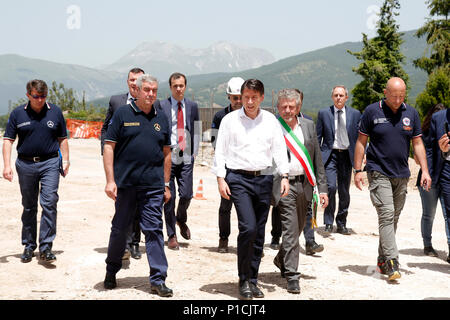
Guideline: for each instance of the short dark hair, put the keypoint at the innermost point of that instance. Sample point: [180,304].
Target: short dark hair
[177,75]
[135,70]
[300,93]
[253,84]
[39,85]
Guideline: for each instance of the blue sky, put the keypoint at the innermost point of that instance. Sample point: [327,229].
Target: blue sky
[97,32]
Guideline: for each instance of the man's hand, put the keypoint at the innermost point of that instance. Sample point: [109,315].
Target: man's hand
[284,187]
[425,180]
[8,173]
[224,190]
[111,190]
[66,165]
[323,200]
[443,143]
[359,180]
[167,194]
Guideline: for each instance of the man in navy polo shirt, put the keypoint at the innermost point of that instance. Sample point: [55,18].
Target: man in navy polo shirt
[137,162]
[42,133]
[391,125]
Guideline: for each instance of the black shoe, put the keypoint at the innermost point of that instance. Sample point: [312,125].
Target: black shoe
[342,230]
[293,286]
[392,269]
[429,251]
[223,246]
[27,255]
[279,265]
[256,292]
[329,228]
[313,247]
[110,281]
[245,293]
[162,290]
[135,253]
[47,256]
[275,243]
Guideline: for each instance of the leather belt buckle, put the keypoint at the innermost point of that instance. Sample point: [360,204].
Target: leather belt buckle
[36,159]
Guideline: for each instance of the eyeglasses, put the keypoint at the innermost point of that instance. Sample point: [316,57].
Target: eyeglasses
[43,96]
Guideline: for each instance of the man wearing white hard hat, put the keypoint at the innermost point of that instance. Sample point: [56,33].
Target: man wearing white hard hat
[234,95]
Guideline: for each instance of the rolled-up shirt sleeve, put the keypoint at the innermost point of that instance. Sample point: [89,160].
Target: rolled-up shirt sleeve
[219,167]
[279,150]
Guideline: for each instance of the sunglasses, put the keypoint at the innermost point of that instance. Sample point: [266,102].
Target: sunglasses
[43,96]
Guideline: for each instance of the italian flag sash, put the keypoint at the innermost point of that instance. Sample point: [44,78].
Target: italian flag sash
[301,153]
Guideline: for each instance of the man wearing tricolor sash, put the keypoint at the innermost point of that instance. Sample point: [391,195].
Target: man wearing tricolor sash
[307,182]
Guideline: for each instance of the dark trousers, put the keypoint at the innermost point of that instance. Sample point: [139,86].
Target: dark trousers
[224,218]
[149,203]
[38,179]
[339,173]
[251,197]
[134,231]
[183,173]
[308,232]
[444,181]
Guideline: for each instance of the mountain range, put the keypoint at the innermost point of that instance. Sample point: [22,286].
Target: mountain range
[315,72]
[165,58]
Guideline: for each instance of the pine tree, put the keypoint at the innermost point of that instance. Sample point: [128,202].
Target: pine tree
[381,58]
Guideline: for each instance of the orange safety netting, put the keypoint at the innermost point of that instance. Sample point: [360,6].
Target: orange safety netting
[84,129]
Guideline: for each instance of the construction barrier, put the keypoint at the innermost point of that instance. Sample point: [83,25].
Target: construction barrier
[81,129]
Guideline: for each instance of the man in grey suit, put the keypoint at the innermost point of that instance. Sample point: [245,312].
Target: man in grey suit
[337,132]
[134,233]
[305,171]
[186,132]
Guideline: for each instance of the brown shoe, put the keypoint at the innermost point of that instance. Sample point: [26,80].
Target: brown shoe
[184,230]
[223,246]
[172,244]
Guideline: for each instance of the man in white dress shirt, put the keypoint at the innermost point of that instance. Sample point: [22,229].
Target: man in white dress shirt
[248,141]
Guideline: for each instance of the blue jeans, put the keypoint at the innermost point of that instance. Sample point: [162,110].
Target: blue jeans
[429,204]
[40,179]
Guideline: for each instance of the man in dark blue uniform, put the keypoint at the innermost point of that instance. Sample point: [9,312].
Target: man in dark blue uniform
[115,102]
[391,125]
[234,95]
[137,162]
[42,135]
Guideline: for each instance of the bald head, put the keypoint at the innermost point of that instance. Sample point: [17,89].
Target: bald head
[395,93]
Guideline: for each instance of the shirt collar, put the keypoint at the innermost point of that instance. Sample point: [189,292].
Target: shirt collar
[136,109]
[243,115]
[175,102]
[383,103]
[26,105]
[336,109]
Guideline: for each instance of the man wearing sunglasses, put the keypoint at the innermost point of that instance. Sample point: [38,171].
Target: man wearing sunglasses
[42,137]
[234,95]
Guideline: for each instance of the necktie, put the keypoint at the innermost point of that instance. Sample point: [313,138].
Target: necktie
[180,128]
[342,136]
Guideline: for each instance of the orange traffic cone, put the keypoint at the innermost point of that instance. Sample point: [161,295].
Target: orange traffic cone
[199,193]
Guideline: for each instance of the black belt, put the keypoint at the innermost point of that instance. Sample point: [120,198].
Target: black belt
[340,150]
[247,173]
[300,178]
[39,158]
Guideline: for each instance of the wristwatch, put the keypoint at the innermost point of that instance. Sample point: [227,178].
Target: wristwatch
[167,184]
[357,171]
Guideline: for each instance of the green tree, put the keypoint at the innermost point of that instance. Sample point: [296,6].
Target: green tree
[381,58]
[436,60]
[62,97]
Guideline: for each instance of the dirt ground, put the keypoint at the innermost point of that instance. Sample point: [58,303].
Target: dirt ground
[344,270]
